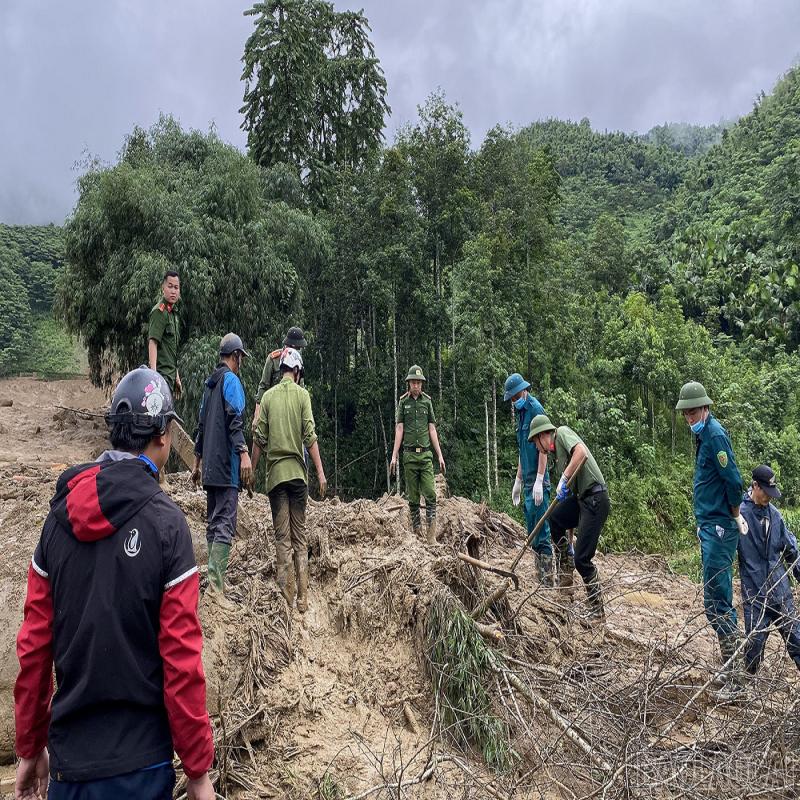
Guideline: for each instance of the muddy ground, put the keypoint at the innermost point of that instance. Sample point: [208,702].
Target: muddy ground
[345,702]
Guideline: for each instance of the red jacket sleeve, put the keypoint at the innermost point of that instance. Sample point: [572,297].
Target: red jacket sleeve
[34,687]
[180,642]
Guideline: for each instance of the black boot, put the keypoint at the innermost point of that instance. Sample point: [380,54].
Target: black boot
[594,598]
[732,679]
[545,563]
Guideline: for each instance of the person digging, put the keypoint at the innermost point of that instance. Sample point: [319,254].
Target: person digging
[585,507]
[221,457]
[285,426]
[415,430]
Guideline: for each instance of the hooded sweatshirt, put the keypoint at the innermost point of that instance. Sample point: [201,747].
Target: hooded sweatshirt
[219,439]
[112,601]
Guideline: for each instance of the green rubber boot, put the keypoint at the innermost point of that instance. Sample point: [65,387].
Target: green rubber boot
[217,566]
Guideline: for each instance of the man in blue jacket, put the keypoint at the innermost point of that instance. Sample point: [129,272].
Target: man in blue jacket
[766,557]
[717,496]
[532,477]
[221,456]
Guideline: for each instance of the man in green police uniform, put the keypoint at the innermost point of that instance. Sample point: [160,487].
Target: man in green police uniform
[271,375]
[163,334]
[586,506]
[415,429]
[717,496]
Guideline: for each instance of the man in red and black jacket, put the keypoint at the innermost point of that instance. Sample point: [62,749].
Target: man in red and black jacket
[112,602]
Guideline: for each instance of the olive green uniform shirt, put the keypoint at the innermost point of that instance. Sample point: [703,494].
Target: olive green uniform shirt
[163,328]
[589,473]
[271,374]
[285,426]
[415,415]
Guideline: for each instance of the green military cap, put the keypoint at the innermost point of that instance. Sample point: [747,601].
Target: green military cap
[415,373]
[693,395]
[540,424]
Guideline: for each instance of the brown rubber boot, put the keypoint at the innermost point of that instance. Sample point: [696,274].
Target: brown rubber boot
[302,585]
[431,533]
[284,575]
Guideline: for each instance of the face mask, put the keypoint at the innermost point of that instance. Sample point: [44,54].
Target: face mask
[519,403]
[698,426]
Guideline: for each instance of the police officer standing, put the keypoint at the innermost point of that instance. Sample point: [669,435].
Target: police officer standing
[163,333]
[717,496]
[271,374]
[532,475]
[415,429]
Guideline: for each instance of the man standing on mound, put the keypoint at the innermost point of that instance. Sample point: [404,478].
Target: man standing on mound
[112,603]
[285,426]
[717,497]
[221,457]
[415,429]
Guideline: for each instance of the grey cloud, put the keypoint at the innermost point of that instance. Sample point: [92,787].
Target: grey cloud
[78,76]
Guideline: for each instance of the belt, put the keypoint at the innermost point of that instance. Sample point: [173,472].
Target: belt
[416,449]
[595,488]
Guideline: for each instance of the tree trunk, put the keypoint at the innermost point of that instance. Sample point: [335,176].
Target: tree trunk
[494,433]
[336,437]
[488,460]
[453,344]
[437,271]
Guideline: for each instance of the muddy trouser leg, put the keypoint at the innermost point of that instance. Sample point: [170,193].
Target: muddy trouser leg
[297,491]
[594,511]
[542,544]
[756,627]
[222,506]
[718,552]
[427,488]
[284,575]
[789,628]
[565,516]
[411,473]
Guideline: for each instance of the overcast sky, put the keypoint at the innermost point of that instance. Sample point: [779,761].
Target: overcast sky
[77,75]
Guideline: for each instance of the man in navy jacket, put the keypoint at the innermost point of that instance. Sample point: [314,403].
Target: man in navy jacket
[766,557]
[112,603]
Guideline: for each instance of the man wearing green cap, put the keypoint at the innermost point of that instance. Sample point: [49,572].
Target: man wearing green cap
[271,374]
[586,506]
[532,476]
[415,429]
[717,496]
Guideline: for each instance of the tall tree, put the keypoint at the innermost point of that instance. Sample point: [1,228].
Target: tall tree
[315,94]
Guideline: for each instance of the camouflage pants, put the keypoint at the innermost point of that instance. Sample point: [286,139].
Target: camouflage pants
[418,474]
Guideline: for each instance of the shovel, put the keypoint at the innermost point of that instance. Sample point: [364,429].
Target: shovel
[509,573]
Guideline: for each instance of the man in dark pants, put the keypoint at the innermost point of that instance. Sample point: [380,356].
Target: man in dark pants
[285,427]
[767,554]
[112,602]
[221,457]
[585,507]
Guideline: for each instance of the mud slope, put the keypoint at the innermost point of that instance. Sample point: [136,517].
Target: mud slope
[356,697]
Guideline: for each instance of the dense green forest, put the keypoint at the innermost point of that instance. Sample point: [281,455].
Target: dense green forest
[31,340]
[608,268]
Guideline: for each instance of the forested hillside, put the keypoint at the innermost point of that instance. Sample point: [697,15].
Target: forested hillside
[30,339]
[608,268]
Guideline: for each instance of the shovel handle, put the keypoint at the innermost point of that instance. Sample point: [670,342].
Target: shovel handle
[535,532]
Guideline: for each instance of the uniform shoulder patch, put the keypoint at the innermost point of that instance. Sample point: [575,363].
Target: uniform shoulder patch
[162,307]
[276,353]
[722,457]
[404,395]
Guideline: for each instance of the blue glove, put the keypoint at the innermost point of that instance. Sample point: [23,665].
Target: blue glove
[563,491]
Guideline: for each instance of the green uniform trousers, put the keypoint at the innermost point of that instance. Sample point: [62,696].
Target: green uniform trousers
[418,473]
[718,549]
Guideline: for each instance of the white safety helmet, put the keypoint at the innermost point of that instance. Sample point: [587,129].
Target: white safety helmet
[291,358]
